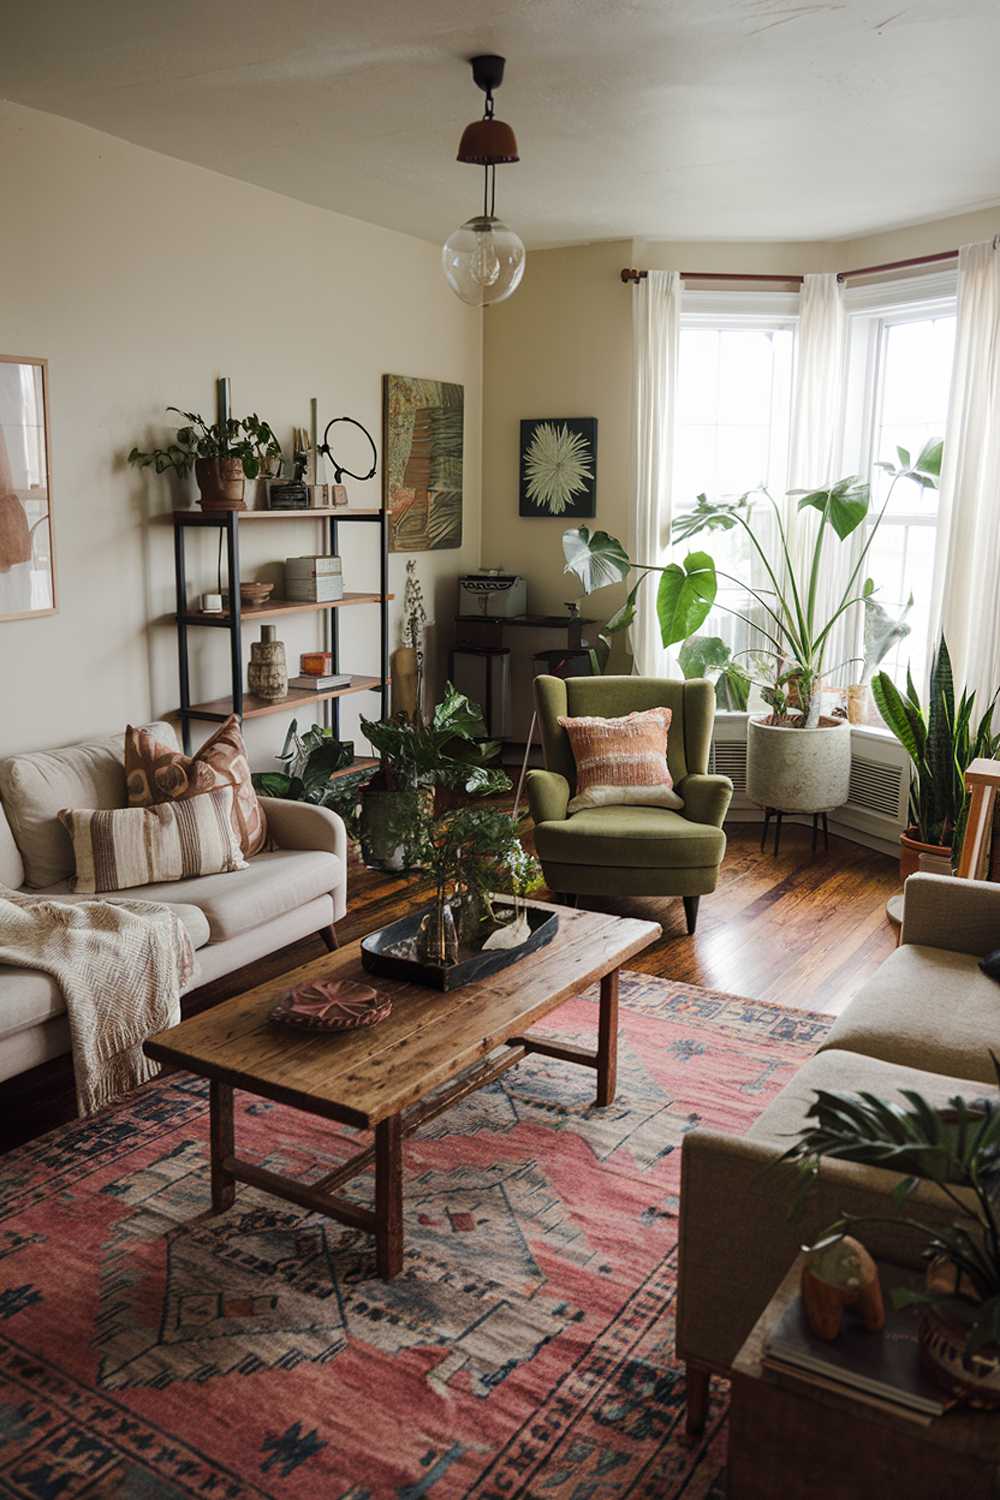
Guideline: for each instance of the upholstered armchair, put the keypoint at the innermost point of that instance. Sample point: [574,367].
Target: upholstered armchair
[630,850]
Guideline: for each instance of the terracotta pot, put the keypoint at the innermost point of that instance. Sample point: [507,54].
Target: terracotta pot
[911,851]
[944,1333]
[221,482]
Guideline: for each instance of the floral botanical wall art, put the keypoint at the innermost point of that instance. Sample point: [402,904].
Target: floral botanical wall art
[558,473]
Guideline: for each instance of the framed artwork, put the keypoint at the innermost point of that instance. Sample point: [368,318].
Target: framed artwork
[27,566]
[558,469]
[423,437]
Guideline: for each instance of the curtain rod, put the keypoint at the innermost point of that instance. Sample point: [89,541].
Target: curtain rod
[629,273]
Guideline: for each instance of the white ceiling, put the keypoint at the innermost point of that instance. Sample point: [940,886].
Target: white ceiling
[661,119]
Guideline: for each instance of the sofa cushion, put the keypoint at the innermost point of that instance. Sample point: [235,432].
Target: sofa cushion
[850,1073]
[653,838]
[35,786]
[125,848]
[271,884]
[925,1008]
[155,772]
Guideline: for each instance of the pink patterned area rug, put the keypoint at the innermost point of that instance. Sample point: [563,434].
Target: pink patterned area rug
[150,1350]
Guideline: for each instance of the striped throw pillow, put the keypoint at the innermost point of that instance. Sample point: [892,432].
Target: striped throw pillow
[131,846]
[622,760]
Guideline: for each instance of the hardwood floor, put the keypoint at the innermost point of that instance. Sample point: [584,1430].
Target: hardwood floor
[801,929]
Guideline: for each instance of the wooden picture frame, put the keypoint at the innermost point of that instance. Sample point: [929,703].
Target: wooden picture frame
[27,539]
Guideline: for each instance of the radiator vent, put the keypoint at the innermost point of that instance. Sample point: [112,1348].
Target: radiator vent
[876,787]
[729,758]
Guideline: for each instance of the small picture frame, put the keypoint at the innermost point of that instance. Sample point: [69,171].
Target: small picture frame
[558,468]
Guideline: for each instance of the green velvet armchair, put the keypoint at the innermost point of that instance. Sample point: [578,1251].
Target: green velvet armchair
[630,850]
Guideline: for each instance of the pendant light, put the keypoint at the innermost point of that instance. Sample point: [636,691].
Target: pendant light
[484,259]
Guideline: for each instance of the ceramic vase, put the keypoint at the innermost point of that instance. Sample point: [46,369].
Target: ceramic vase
[267,676]
[799,770]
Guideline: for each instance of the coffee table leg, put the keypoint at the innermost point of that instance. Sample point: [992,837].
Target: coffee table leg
[607,1039]
[389,1197]
[223,1145]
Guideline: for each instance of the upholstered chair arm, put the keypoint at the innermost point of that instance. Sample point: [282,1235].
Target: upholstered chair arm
[548,796]
[962,916]
[706,798]
[300,825]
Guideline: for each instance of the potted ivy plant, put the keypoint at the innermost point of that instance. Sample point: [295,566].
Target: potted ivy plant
[417,757]
[797,759]
[223,456]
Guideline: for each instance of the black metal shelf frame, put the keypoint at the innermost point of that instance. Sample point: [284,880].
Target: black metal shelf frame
[229,522]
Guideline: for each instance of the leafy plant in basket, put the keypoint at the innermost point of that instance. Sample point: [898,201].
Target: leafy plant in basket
[786,612]
[310,759]
[942,740]
[954,1148]
[418,756]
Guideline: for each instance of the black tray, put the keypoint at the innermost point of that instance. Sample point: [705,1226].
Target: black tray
[377,960]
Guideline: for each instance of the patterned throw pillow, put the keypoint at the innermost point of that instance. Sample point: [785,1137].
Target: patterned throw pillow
[119,849]
[156,773]
[622,760]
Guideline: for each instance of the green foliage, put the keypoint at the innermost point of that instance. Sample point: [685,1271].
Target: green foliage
[247,438]
[958,1147]
[785,610]
[881,630]
[309,759]
[709,656]
[446,752]
[941,740]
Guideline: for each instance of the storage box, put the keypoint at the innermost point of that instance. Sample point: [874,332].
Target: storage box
[312,567]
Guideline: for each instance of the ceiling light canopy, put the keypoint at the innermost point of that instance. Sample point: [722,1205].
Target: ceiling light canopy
[484,259]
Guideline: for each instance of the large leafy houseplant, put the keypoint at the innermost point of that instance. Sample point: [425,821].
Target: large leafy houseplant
[957,1147]
[309,760]
[787,614]
[941,739]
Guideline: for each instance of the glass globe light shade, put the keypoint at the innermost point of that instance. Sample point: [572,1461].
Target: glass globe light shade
[483,261]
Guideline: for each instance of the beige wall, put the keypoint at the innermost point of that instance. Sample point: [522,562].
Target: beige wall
[141,279]
[562,347]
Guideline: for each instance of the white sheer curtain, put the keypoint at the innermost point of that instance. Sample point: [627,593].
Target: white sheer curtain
[966,596]
[656,331]
[815,453]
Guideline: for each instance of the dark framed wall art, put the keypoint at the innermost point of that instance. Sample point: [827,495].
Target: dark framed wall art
[558,467]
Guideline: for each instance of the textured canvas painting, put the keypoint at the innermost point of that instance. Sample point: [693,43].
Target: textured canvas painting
[423,463]
[558,474]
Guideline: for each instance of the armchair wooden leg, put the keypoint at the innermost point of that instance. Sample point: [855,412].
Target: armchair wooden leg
[329,936]
[691,912]
[696,1381]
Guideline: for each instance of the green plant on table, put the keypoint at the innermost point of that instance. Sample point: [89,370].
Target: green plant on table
[249,439]
[942,740]
[472,854]
[787,611]
[956,1147]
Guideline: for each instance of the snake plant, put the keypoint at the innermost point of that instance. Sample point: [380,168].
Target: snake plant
[788,610]
[955,1147]
[941,740]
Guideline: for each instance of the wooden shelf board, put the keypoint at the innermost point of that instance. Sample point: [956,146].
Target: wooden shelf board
[297,698]
[275,609]
[337,512]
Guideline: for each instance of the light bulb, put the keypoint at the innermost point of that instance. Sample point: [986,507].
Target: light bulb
[483,261]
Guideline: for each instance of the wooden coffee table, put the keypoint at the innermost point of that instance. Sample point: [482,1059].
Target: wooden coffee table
[431,1051]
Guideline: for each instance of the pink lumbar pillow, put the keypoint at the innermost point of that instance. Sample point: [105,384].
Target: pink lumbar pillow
[622,760]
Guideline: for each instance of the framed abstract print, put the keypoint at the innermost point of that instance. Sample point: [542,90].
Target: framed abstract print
[27,565]
[558,469]
[422,462]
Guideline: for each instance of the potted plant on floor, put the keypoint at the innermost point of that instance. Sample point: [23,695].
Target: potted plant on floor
[957,1148]
[942,740]
[223,456]
[797,760]
[418,756]
[309,760]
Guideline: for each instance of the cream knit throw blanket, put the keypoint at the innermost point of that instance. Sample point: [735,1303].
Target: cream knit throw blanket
[121,967]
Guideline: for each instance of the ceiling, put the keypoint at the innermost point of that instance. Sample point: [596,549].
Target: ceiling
[660,119]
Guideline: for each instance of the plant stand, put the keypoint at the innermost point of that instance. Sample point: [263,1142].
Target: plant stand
[245,705]
[818,819]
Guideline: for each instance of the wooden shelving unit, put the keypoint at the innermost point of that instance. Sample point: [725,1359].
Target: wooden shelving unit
[240,702]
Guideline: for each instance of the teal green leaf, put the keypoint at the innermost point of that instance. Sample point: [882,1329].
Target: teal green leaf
[703,655]
[596,558]
[685,597]
[845,506]
[622,618]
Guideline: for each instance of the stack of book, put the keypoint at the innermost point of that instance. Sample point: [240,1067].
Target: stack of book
[880,1369]
[316,684]
[313,580]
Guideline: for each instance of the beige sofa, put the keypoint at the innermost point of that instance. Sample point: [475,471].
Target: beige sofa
[284,894]
[925,1021]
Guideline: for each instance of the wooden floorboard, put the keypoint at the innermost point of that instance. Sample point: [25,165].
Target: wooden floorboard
[799,929]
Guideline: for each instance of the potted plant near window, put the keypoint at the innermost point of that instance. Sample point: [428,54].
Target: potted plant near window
[942,741]
[418,756]
[223,456]
[797,760]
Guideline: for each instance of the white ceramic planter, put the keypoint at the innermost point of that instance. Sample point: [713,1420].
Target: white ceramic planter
[799,770]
